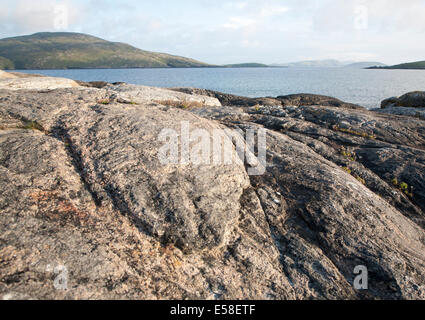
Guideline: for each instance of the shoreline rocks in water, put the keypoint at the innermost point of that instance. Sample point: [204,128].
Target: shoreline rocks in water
[409,104]
[82,190]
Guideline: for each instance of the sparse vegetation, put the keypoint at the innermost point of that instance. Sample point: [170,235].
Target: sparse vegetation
[354,132]
[182,104]
[32,125]
[347,154]
[104,101]
[403,187]
[358,178]
[27,125]
[346,169]
[362,181]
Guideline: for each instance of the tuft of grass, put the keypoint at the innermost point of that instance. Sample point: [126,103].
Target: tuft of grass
[182,104]
[104,101]
[362,181]
[354,132]
[27,125]
[346,169]
[125,101]
[403,187]
[32,125]
[349,155]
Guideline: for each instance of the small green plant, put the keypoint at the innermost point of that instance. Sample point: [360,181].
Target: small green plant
[358,178]
[182,104]
[403,187]
[32,125]
[346,169]
[349,155]
[104,101]
[362,181]
[27,125]
[353,132]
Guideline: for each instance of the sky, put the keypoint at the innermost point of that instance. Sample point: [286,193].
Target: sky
[226,31]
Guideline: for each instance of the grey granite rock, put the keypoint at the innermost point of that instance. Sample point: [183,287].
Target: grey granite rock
[83,194]
[36,83]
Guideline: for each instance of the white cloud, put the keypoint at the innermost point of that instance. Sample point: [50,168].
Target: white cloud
[272,10]
[42,15]
[238,23]
[222,31]
[235,5]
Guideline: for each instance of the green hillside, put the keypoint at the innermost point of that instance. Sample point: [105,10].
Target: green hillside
[411,65]
[65,50]
[6,64]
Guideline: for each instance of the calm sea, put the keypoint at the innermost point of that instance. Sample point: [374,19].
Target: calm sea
[365,87]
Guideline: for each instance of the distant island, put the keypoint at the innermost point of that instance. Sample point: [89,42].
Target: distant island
[418,65]
[65,50]
[247,65]
[330,63]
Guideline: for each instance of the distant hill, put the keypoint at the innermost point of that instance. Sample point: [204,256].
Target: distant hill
[330,63]
[64,50]
[6,64]
[412,65]
[246,65]
[313,64]
[363,65]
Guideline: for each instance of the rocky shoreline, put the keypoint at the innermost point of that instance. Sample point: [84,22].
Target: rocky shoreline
[82,190]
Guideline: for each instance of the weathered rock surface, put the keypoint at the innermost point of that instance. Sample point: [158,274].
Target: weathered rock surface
[302,99]
[305,99]
[415,99]
[6,75]
[82,188]
[36,83]
[403,111]
[143,94]
[230,99]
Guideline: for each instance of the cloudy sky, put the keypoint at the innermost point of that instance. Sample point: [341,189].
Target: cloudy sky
[225,31]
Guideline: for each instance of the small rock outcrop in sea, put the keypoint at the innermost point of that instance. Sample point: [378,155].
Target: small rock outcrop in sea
[84,196]
[414,99]
[409,104]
